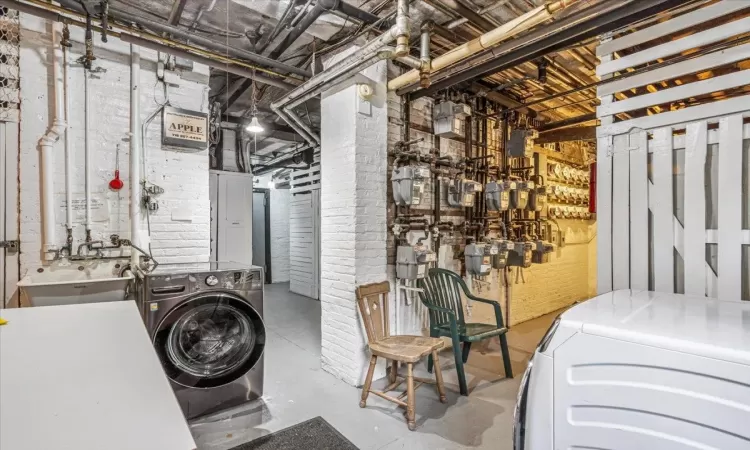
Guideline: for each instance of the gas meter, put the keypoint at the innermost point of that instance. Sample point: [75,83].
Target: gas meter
[520,255]
[519,197]
[537,199]
[497,195]
[541,252]
[412,261]
[460,192]
[499,249]
[449,119]
[408,184]
[478,260]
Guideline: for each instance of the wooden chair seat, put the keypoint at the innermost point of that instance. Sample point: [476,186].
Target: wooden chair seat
[409,349]
[372,300]
[473,332]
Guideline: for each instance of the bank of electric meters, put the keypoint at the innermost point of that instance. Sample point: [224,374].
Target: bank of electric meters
[504,195]
[408,184]
[412,261]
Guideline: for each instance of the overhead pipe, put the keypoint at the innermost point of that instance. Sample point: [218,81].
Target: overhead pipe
[136,153]
[481,12]
[269,37]
[373,51]
[424,54]
[54,13]
[298,29]
[487,40]
[47,143]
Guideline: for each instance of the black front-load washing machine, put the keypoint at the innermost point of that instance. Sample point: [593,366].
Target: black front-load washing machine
[206,323]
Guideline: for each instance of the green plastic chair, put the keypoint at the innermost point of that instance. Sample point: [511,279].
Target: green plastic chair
[441,294]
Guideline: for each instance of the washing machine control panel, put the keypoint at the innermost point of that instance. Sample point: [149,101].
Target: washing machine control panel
[211,280]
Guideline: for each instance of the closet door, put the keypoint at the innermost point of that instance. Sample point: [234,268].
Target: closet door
[304,244]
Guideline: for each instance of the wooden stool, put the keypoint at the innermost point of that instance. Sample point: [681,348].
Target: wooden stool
[373,307]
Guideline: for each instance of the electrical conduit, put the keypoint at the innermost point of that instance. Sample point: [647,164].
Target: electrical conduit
[136,152]
[487,40]
[87,150]
[46,144]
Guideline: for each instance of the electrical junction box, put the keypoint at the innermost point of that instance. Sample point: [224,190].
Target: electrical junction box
[478,260]
[449,119]
[520,255]
[520,142]
[412,261]
[408,184]
[540,253]
[519,197]
[497,195]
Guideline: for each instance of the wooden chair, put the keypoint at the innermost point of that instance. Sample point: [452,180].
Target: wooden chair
[373,307]
[442,296]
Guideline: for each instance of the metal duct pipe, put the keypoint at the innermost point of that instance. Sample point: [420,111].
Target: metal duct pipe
[489,39]
[297,31]
[370,53]
[208,43]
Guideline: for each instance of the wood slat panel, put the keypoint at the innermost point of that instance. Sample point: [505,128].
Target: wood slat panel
[706,37]
[639,210]
[694,244]
[621,213]
[604,215]
[714,84]
[679,117]
[662,209]
[689,66]
[730,210]
[682,22]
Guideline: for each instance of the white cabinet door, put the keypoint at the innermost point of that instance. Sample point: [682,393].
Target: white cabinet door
[234,230]
[9,210]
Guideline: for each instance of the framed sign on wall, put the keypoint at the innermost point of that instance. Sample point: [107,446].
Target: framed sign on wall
[184,128]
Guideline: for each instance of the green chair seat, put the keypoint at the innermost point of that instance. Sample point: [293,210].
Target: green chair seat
[441,294]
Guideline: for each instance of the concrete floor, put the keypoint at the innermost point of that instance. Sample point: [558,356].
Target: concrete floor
[297,389]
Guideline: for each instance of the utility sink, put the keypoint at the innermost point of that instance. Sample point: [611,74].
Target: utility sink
[66,287]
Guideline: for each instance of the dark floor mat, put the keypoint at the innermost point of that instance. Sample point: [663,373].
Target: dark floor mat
[314,434]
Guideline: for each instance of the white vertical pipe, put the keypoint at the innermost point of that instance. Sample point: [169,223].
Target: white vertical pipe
[136,152]
[87,148]
[46,144]
[68,148]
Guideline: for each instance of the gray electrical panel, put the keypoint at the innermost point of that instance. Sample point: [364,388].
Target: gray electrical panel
[449,119]
[408,184]
[412,261]
[520,142]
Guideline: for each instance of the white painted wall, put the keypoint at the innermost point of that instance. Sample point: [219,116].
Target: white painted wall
[353,218]
[279,235]
[183,174]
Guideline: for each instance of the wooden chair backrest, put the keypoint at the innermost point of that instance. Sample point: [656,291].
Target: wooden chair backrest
[442,288]
[373,307]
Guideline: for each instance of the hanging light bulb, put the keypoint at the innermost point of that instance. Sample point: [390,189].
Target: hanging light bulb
[254,126]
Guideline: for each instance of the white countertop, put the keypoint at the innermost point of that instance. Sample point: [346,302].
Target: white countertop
[84,377]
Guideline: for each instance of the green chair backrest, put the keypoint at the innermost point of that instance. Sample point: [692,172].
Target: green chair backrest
[442,288]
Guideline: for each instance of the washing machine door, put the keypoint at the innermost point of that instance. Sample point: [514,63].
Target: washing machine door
[209,340]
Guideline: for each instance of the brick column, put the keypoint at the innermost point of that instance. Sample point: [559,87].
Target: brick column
[353,217]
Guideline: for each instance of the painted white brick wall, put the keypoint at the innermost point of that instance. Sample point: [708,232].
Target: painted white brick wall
[279,235]
[182,174]
[353,219]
